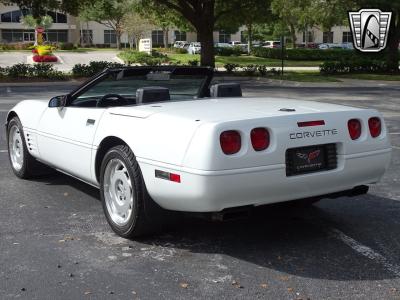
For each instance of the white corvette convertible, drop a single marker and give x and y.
(161, 138)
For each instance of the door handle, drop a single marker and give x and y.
(90, 122)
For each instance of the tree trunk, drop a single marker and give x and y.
(118, 34)
(206, 38)
(165, 37)
(249, 37)
(293, 33)
(393, 43)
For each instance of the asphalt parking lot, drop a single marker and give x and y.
(56, 244)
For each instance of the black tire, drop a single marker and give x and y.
(146, 217)
(30, 166)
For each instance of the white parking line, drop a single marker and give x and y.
(394, 133)
(3, 151)
(365, 251)
(395, 147)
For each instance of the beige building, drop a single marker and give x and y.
(337, 35)
(67, 28)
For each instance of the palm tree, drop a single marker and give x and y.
(30, 22)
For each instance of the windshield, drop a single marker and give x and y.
(123, 84)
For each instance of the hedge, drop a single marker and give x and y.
(135, 57)
(44, 71)
(314, 54)
(94, 67)
(353, 66)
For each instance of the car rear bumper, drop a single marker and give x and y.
(213, 191)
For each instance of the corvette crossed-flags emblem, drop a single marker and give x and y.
(370, 29)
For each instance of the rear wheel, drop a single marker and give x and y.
(129, 209)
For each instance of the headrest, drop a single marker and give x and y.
(226, 90)
(152, 94)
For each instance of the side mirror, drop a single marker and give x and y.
(58, 101)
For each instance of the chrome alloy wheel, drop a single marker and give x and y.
(118, 192)
(16, 148)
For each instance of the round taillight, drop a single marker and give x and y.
(230, 142)
(354, 126)
(375, 127)
(259, 139)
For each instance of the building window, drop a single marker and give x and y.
(57, 17)
(310, 37)
(17, 35)
(224, 37)
(86, 36)
(347, 37)
(110, 37)
(56, 36)
(327, 37)
(180, 35)
(157, 37)
(11, 17)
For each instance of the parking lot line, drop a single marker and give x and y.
(395, 147)
(365, 251)
(394, 133)
(3, 151)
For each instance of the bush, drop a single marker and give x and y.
(353, 66)
(230, 68)
(237, 51)
(135, 57)
(179, 50)
(16, 46)
(224, 51)
(44, 58)
(94, 67)
(193, 63)
(250, 70)
(262, 69)
(44, 71)
(66, 46)
(313, 54)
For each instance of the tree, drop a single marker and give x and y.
(136, 27)
(109, 13)
(30, 22)
(203, 15)
(39, 8)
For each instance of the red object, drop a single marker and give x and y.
(45, 58)
(354, 126)
(34, 51)
(230, 142)
(311, 123)
(259, 139)
(175, 177)
(375, 127)
(39, 29)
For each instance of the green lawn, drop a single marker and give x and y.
(245, 60)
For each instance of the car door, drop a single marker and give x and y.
(65, 138)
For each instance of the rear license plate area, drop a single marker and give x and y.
(311, 159)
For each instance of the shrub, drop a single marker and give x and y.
(353, 66)
(230, 68)
(18, 71)
(44, 58)
(193, 62)
(250, 70)
(66, 46)
(237, 51)
(179, 50)
(313, 54)
(38, 71)
(16, 46)
(142, 58)
(262, 69)
(224, 51)
(94, 67)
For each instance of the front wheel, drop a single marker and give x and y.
(123, 194)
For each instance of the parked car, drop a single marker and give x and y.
(236, 43)
(222, 45)
(272, 44)
(153, 139)
(180, 44)
(244, 47)
(194, 48)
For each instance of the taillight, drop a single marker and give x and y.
(230, 142)
(354, 126)
(375, 127)
(259, 139)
